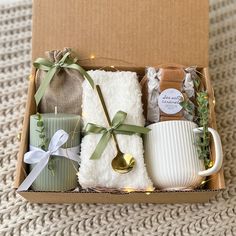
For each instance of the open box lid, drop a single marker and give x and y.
(125, 33)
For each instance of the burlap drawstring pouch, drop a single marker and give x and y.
(65, 88)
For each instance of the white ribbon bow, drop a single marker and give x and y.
(41, 157)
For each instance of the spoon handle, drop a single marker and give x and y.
(99, 92)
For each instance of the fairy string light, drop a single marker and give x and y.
(93, 57)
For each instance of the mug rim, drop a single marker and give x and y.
(171, 121)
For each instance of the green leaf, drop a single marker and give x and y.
(52, 165)
(40, 123)
(39, 116)
(196, 83)
(42, 136)
(43, 146)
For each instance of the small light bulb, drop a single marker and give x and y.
(92, 57)
(150, 189)
(210, 164)
(30, 77)
(214, 102)
(112, 66)
(83, 114)
(128, 190)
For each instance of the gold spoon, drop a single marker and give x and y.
(122, 163)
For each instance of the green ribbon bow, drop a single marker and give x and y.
(52, 68)
(117, 127)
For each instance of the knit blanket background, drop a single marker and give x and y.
(19, 217)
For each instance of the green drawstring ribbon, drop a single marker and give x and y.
(52, 68)
(117, 127)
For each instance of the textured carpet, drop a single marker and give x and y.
(18, 217)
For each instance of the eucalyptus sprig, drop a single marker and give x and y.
(203, 143)
(188, 106)
(41, 131)
(200, 111)
(44, 141)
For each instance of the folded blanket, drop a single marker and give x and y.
(121, 91)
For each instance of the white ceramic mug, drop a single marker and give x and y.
(171, 155)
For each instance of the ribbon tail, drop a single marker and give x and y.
(101, 146)
(131, 129)
(93, 128)
(89, 79)
(82, 72)
(42, 64)
(69, 153)
(33, 174)
(43, 86)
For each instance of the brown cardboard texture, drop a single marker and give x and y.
(130, 35)
(136, 32)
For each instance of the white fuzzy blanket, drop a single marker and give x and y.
(121, 91)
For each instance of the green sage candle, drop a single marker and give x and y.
(60, 172)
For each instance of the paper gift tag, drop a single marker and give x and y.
(169, 100)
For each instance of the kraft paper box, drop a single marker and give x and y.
(130, 35)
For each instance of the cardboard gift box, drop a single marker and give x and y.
(128, 35)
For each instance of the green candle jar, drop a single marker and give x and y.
(60, 172)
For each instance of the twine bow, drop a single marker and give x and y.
(116, 127)
(52, 68)
(41, 158)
